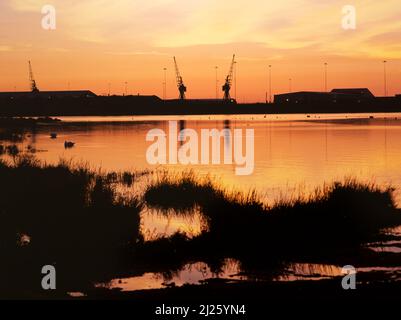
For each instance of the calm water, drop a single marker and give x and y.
(292, 153)
(200, 273)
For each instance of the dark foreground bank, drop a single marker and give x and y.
(76, 220)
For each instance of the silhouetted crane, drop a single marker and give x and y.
(32, 81)
(229, 79)
(180, 84)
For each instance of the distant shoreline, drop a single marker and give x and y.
(152, 105)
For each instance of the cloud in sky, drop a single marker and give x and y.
(5, 48)
(135, 39)
(287, 24)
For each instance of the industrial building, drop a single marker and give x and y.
(58, 103)
(352, 95)
(35, 93)
(47, 94)
(355, 92)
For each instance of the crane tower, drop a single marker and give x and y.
(229, 79)
(32, 81)
(180, 83)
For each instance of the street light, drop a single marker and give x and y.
(217, 83)
(325, 76)
(270, 83)
(235, 79)
(385, 77)
(165, 84)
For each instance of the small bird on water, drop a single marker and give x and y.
(68, 144)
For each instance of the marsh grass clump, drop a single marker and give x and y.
(340, 216)
(11, 150)
(181, 191)
(102, 195)
(73, 218)
(12, 135)
(128, 178)
(125, 178)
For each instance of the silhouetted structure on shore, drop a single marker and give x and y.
(337, 101)
(86, 103)
(357, 95)
(47, 94)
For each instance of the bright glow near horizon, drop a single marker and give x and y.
(100, 41)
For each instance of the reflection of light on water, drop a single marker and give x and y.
(76, 294)
(194, 273)
(156, 224)
(394, 231)
(391, 246)
(395, 270)
(386, 249)
(309, 271)
(242, 117)
(23, 240)
(334, 149)
(200, 273)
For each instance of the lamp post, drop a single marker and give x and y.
(270, 83)
(385, 77)
(165, 84)
(325, 77)
(217, 83)
(235, 79)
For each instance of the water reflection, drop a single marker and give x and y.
(200, 273)
(181, 131)
(193, 273)
(156, 223)
(293, 154)
(227, 137)
(287, 155)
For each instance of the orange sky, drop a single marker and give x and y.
(101, 41)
